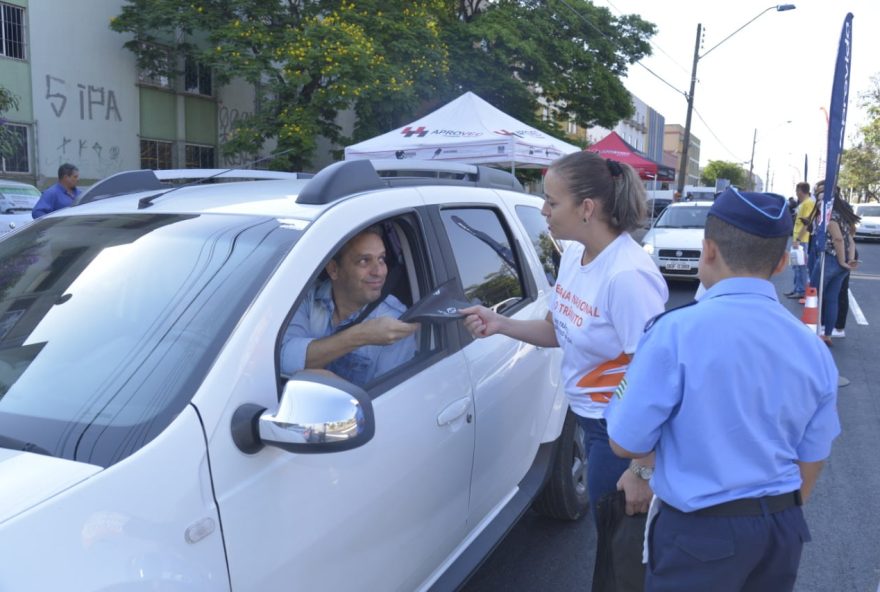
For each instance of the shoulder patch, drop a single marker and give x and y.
(650, 323)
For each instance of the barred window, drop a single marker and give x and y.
(18, 161)
(156, 155)
(199, 157)
(12, 41)
(197, 77)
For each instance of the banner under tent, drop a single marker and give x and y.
(466, 130)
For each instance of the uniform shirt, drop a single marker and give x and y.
(801, 232)
(314, 320)
(730, 392)
(54, 198)
(599, 312)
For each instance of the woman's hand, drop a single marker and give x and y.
(482, 322)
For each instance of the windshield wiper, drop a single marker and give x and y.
(16, 444)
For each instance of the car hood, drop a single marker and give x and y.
(678, 238)
(870, 220)
(33, 478)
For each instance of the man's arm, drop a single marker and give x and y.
(377, 331)
(43, 206)
(809, 475)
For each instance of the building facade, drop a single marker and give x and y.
(673, 143)
(83, 100)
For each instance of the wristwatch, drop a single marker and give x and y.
(640, 471)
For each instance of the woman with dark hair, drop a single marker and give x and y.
(607, 289)
(840, 258)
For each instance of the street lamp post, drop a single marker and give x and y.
(686, 140)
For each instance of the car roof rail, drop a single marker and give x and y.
(149, 180)
(348, 177)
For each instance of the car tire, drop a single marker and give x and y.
(565, 496)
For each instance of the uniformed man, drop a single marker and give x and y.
(740, 427)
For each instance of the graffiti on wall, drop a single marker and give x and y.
(228, 119)
(93, 102)
(72, 102)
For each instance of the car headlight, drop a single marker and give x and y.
(649, 248)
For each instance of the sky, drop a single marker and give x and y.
(773, 76)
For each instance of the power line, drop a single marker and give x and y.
(729, 151)
(612, 42)
(652, 42)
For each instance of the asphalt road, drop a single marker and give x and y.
(844, 555)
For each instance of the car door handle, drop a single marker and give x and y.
(454, 411)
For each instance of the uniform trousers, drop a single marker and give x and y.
(689, 552)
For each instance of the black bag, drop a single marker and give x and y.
(619, 566)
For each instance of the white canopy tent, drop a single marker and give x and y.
(467, 130)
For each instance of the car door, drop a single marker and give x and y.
(380, 517)
(514, 382)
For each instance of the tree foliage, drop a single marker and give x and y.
(860, 165)
(8, 141)
(391, 61)
(722, 169)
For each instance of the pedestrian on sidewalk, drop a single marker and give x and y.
(840, 260)
(62, 194)
(740, 432)
(800, 238)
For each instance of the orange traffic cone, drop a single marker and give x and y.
(811, 309)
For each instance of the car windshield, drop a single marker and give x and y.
(869, 211)
(684, 217)
(108, 324)
(16, 198)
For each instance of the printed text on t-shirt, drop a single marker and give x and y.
(571, 306)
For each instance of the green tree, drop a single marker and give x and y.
(722, 169)
(860, 165)
(572, 52)
(307, 60)
(392, 60)
(8, 141)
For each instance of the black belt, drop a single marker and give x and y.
(749, 506)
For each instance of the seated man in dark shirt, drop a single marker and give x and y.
(318, 336)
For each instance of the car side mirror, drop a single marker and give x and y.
(318, 412)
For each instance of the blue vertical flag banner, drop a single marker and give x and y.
(836, 125)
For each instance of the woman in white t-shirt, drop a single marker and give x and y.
(606, 291)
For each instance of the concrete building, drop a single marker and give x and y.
(673, 142)
(82, 99)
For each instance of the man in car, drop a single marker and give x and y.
(325, 333)
(60, 195)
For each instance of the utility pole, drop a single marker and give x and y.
(752, 161)
(767, 178)
(686, 141)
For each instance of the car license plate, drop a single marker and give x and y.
(678, 266)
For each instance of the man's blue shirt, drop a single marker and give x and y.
(54, 198)
(729, 392)
(314, 320)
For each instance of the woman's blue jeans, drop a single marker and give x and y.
(833, 280)
(604, 468)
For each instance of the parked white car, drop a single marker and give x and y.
(869, 226)
(16, 202)
(148, 440)
(675, 241)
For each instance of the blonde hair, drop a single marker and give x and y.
(614, 184)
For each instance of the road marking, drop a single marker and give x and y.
(856, 310)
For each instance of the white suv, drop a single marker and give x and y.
(149, 441)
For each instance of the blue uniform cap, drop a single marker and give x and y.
(760, 214)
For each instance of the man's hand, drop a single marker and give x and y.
(637, 491)
(384, 330)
